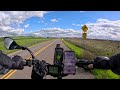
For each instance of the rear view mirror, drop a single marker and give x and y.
(10, 44)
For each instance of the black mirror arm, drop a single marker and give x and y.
(25, 48)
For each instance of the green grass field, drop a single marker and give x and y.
(99, 73)
(24, 41)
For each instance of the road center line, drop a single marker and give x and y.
(11, 72)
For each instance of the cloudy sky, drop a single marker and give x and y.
(101, 24)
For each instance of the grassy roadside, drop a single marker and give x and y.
(77, 50)
(24, 41)
(99, 74)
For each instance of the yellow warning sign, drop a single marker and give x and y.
(84, 28)
(84, 35)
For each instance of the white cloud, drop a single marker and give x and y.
(76, 24)
(56, 32)
(16, 17)
(54, 20)
(9, 31)
(104, 29)
(8, 17)
(40, 21)
(27, 25)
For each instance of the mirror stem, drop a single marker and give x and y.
(25, 48)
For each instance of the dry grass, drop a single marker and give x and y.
(82, 53)
(97, 47)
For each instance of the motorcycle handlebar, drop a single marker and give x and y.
(79, 63)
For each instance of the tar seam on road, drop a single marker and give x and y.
(11, 72)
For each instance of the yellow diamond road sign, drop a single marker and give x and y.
(84, 28)
(84, 35)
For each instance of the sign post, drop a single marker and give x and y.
(84, 34)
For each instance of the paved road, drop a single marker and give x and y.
(48, 55)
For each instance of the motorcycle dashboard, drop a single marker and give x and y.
(54, 70)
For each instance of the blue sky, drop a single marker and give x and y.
(67, 18)
(101, 24)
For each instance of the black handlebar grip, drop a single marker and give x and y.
(27, 63)
(81, 63)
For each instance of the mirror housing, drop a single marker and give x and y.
(10, 44)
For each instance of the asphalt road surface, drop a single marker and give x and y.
(45, 52)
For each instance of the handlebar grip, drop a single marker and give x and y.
(27, 63)
(81, 63)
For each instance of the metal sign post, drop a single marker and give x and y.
(84, 34)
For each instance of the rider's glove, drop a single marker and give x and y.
(115, 63)
(112, 63)
(101, 62)
(39, 68)
(17, 62)
(10, 63)
(42, 67)
(3, 70)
